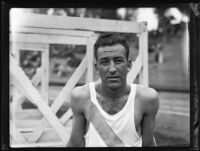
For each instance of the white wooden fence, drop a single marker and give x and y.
(36, 32)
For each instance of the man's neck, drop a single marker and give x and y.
(114, 93)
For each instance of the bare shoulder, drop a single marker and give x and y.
(149, 99)
(79, 96)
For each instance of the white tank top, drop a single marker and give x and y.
(122, 123)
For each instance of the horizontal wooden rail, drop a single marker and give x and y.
(14, 132)
(28, 46)
(48, 39)
(79, 23)
(44, 144)
(50, 31)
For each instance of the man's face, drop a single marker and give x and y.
(112, 65)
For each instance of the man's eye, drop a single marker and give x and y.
(103, 62)
(119, 61)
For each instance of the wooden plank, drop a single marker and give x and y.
(16, 134)
(60, 22)
(31, 129)
(35, 115)
(90, 58)
(60, 98)
(51, 31)
(48, 39)
(28, 46)
(45, 75)
(15, 105)
(45, 144)
(143, 51)
(15, 51)
(37, 77)
(29, 123)
(136, 68)
(49, 135)
(27, 88)
(66, 116)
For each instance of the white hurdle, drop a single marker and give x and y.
(34, 32)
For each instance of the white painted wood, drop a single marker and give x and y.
(79, 23)
(90, 58)
(29, 46)
(46, 31)
(25, 85)
(49, 135)
(15, 106)
(15, 51)
(36, 79)
(45, 75)
(30, 129)
(66, 116)
(29, 123)
(65, 92)
(143, 51)
(136, 68)
(44, 144)
(16, 135)
(47, 39)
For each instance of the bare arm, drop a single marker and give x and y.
(78, 125)
(151, 105)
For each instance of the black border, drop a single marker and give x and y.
(194, 61)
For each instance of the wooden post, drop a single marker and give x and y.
(90, 58)
(45, 75)
(143, 51)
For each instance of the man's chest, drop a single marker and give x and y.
(112, 106)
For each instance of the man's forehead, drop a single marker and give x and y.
(109, 51)
(112, 48)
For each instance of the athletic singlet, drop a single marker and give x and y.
(122, 123)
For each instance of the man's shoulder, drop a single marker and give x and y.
(148, 97)
(79, 96)
(80, 92)
(146, 93)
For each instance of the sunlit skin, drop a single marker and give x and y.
(113, 66)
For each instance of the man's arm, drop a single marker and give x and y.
(150, 106)
(79, 122)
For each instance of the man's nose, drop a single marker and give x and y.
(112, 67)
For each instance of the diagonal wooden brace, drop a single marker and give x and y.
(30, 92)
(60, 99)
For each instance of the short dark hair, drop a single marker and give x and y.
(110, 39)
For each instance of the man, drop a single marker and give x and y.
(110, 112)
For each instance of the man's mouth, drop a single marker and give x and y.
(113, 77)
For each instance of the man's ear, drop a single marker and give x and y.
(96, 67)
(129, 65)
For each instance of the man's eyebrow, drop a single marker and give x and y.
(103, 58)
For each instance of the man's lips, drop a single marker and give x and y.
(113, 77)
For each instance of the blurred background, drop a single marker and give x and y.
(168, 62)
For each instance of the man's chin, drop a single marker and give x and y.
(113, 86)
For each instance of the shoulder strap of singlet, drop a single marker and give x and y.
(105, 131)
(92, 91)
